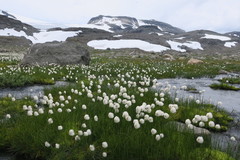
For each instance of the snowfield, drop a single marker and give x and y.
(104, 27)
(117, 35)
(130, 43)
(115, 21)
(141, 23)
(230, 44)
(159, 34)
(180, 38)
(190, 44)
(222, 38)
(40, 37)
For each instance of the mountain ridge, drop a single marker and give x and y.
(121, 23)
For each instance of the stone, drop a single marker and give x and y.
(168, 57)
(61, 53)
(223, 72)
(194, 61)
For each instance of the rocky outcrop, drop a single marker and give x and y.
(14, 44)
(168, 57)
(194, 61)
(62, 53)
(164, 26)
(10, 23)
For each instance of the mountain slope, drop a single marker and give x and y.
(123, 23)
(7, 22)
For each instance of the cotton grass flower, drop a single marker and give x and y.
(8, 116)
(104, 154)
(161, 135)
(80, 132)
(201, 124)
(232, 138)
(84, 125)
(47, 144)
(187, 121)
(198, 101)
(77, 138)
(59, 110)
(110, 115)
(211, 124)
(40, 111)
(29, 113)
(217, 126)
(153, 131)
(86, 117)
(209, 115)
(84, 106)
(157, 137)
(57, 146)
(71, 132)
(200, 139)
(50, 120)
(60, 128)
(92, 148)
(116, 119)
(95, 118)
(61, 98)
(36, 114)
(173, 110)
(104, 144)
(166, 115)
(50, 111)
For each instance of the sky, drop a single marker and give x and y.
(217, 15)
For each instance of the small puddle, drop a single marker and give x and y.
(230, 99)
(21, 92)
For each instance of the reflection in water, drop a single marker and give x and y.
(29, 91)
(230, 101)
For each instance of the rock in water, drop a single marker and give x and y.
(62, 53)
(194, 61)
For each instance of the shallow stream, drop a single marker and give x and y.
(229, 100)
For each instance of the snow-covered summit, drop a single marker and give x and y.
(122, 23)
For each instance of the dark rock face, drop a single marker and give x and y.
(164, 26)
(62, 53)
(11, 43)
(6, 22)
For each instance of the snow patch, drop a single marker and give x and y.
(104, 27)
(40, 37)
(159, 34)
(141, 23)
(180, 38)
(230, 44)
(236, 35)
(211, 36)
(117, 35)
(190, 44)
(126, 43)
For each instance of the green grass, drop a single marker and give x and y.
(26, 135)
(224, 86)
(232, 80)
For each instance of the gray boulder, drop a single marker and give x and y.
(62, 53)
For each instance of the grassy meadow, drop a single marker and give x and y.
(112, 109)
